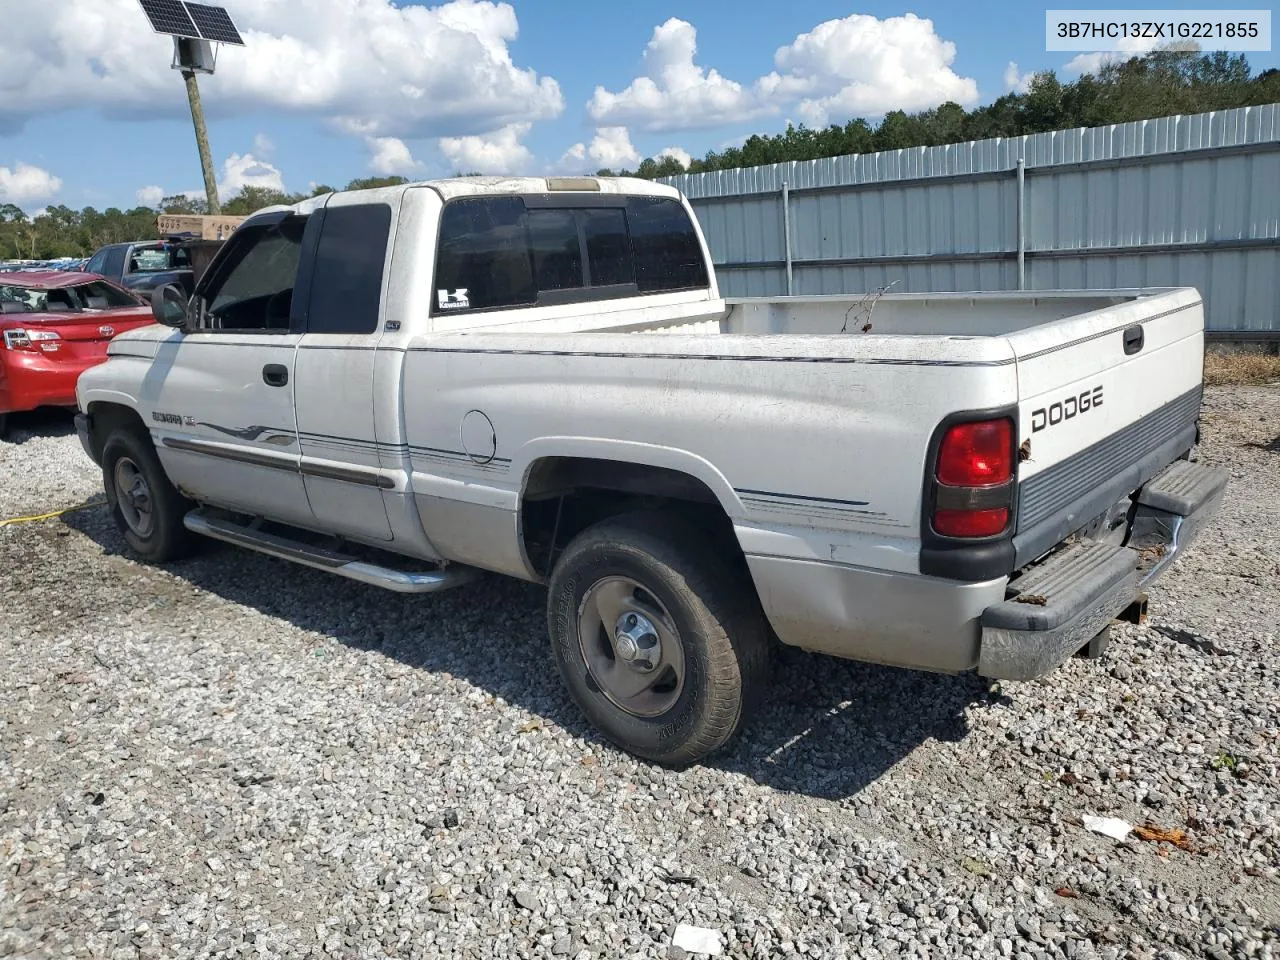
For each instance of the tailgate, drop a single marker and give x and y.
(1107, 399)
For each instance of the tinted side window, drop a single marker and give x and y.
(253, 287)
(484, 255)
(114, 263)
(665, 246)
(97, 263)
(347, 288)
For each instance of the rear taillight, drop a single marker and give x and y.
(976, 454)
(20, 339)
(974, 473)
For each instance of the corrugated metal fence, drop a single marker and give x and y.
(1189, 200)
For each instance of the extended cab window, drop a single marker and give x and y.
(346, 289)
(496, 253)
(666, 250)
(253, 287)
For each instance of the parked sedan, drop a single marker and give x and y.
(55, 325)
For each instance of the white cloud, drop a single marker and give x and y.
(391, 156)
(246, 170)
(23, 183)
(612, 147)
(575, 158)
(856, 66)
(1093, 62)
(674, 93)
(368, 66)
(263, 145)
(496, 152)
(679, 153)
(150, 196)
(864, 66)
(1015, 82)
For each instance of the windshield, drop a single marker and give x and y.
(94, 295)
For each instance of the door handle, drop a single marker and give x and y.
(1133, 339)
(275, 374)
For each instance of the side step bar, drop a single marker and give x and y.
(401, 581)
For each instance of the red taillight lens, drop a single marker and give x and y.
(976, 454)
(971, 523)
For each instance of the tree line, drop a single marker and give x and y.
(1158, 84)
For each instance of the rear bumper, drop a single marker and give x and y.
(1002, 630)
(40, 380)
(1062, 604)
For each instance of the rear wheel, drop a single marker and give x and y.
(658, 637)
(4, 425)
(145, 506)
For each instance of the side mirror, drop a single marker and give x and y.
(169, 305)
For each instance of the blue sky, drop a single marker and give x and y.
(327, 90)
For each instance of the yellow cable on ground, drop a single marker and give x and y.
(55, 513)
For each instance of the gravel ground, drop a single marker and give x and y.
(234, 757)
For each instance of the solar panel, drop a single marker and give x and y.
(214, 23)
(169, 16)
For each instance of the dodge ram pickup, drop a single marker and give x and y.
(539, 378)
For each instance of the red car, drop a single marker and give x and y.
(55, 325)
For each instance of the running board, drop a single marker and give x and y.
(273, 545)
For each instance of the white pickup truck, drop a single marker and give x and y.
(539, 378)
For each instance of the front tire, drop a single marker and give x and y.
(145, 506)
(659, 638)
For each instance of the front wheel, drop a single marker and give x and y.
(145, 506)
(658, 637)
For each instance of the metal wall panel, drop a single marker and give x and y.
(947, 217)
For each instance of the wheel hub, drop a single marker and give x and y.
(631, 646)
(133, 496)
(636, 641)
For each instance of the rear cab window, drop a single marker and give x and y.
(94, 295)
(499, 253)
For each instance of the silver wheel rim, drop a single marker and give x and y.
(631, 647)
(133, 497)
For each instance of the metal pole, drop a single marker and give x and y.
(202, 142)
(1022, 224)
(786, 230)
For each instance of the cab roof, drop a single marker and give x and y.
(454, 187)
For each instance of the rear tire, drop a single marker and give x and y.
(642, 600)
(4, 425)
(145, 506)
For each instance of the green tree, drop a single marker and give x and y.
(369, 183)
(250, 199)
(181, 204)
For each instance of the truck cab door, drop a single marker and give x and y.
(341, 458)
(220, 395)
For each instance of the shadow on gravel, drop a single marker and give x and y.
(41, 422)
(1271, 446)
(827, 729)
(1193, 640)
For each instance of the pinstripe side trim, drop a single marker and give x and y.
(618, 355)
(1106, 333)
